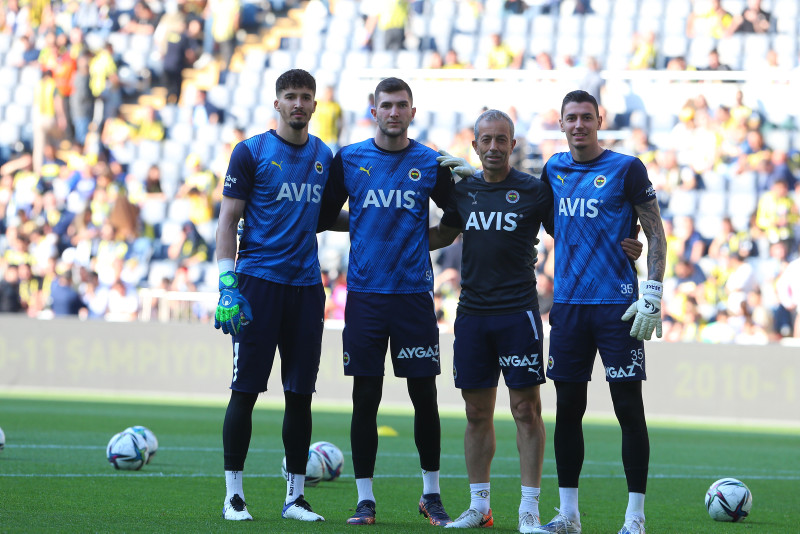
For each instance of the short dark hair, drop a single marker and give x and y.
(392, 85)
(295, 79)
(578, 97)
(494, 115)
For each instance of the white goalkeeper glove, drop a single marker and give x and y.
(647, 311)
(458, 166)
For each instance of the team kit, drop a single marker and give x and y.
(287, 186)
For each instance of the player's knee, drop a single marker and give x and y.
(479, 413)
(526, 411)
(422, 392)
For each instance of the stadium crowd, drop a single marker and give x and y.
(88, 218)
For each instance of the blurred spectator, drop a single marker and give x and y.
(592, 82)
(788, 290)
(23, 52)
(112, 98)
(143, 20)
(501, 56)
(82, 101)
(224, 17)
(644, 51)
(147, 125)
(64, 298)
(752, 20)
(123, 305)
(719, 330)
(189, 249)
(714, 63)
(452, 61)
(777, 213)
(44, 116)
(326, 122)
(10, 300)
(713, 21)
(101, 67)
(202, 112)
(178, 54)
(390, 17)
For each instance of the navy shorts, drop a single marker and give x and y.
(485, 345)
(289, 318)
(371, 320)
(578, 331)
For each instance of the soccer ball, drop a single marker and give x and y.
(2, 440)
(149, 437)
(314, 469)
(728, 499)
(332, 458)
(127, 450)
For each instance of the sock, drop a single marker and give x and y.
(479, 497)
(635, 506)
(364, 486)
(233, 484)
(529, 501)
(569, 504)
(294, 487)
(430, 482)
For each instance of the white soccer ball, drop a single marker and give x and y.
(2, 440)
(314, 469)
(332, 459)
(149, 437)
(127, 450)
(728, 499)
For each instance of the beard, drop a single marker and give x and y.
(388, 133)
(296, 124)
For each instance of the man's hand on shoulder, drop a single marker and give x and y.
(458, 166)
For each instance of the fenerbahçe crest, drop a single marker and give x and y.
(318, 167)
(414, 174)
(512, 197)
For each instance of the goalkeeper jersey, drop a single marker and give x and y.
(593, 212)
(283, 185)
(389, 194)
(499, 222)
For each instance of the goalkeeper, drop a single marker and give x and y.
(597, 306)
(272, 296)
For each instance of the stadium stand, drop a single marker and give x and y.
(731, 129)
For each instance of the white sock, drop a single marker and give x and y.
(430, 482)
(364, 486)
(233, 484)
(569, 504)
(294, 487)
(635, 506)
(479, 497)
(529, 501)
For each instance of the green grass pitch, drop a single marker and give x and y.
(54, 476)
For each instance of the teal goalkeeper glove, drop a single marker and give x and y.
(458, 166)
(647, 311)
(233, 310)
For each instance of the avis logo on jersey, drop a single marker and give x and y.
(493, 220)
(303, 192)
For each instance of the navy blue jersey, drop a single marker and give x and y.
(389, 194)
(499, 221)
(283, 184)
(593, 212)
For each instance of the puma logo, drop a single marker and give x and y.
(277, 164)
(560, 178)
(366, 170)
(474, 196)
